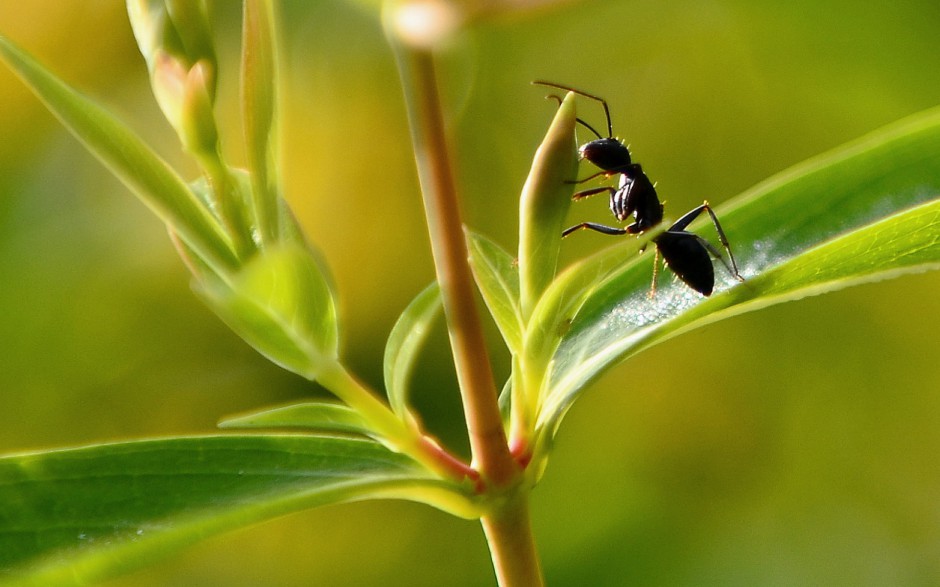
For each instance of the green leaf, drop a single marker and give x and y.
(129, 158)
(866, 211)
(562, 300)
(404, 342)
(281, 303)
(497, 276)
(259, 109)
(73, 517)
(317, 416)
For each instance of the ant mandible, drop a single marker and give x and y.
(685, 253)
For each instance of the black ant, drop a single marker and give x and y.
(686, 253)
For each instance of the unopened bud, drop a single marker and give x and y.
(198, 130)
(544, 204)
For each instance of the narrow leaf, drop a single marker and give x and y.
(316, 416)
(126, 155)
(497, 277)
(404, 342)
(78, 516)
(863, 212)
(259, 110)
(564, 298)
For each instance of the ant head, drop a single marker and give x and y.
(608, 154)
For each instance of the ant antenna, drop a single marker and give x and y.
(610, 128)
(584, 124)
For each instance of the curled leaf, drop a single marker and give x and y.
(497, 277)
(405, 341)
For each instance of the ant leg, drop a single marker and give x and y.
(590, 177)
(732, 270)
(630, 170)
(724, 242)
(652, 293)
(609, 230)
(683, 222)
(588, 193)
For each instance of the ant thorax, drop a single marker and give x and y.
(619, 204)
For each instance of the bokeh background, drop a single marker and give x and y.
(795, 446)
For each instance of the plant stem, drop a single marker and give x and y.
(474, 374)
(506, 525)
(403, 438)
(509, 534)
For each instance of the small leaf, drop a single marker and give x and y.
(404, 342)
(281, 303)
(497, 276)
(317, 416)
(864, 212)
(129, 159)
(78, 516)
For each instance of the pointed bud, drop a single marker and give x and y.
(177, 30)
(544, 204)
(168, 79)
(198, 130)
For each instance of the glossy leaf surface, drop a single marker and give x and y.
(318, 416)
(864, 212)
(76, 516)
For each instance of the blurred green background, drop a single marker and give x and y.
(796, 446)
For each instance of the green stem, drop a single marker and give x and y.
(259, 111)
(393, 430)
(509, 533)
(506, 525)
(222, 190)
(474, 374)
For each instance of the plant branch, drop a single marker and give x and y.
(402, 437)
(478, 391)
(506, 524)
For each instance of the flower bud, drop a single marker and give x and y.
(546, 197)
(198, 130)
